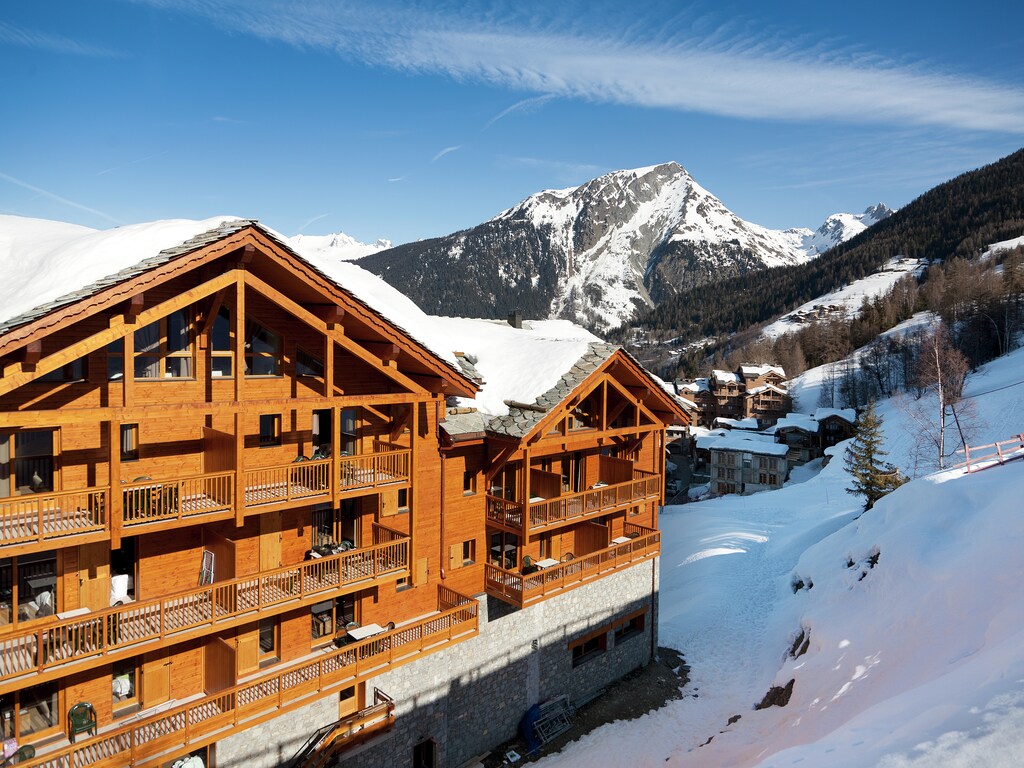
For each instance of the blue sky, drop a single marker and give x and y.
(409, 120)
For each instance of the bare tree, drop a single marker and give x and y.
(941, 367)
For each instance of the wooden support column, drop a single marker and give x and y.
(525, 485)
(411, 500)
(239, 469)
(239, 318)
(328, 366)
(116, 503)
(128, 365)
(335, 455)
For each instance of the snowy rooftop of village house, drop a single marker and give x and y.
(753, 371)
(750, 442)
(695, 386)
(750, 422)
(725, 377)
(847, 414)
(795, 420)
(764, 387)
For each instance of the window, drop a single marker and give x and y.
(129, 442)
(115, 360)
(350, 432)
(424, 754)
(76, 370)
(269, 636)
(163, 349)
(403, 499)
(262, 351)
(30, 712)
(588, 648)
(221, 356)
(468, 483)
(307, 365)
(631, 627)
(348, 701)
(323, 620)
(28, 587)
(26, 462)
(270, 429)
(124, 685)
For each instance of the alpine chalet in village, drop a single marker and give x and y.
(257, 509)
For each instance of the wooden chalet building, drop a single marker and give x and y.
(254, 508)
(751, 391)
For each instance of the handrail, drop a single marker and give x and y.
(382, 534)
(594, 501)
(1017, 441)
(151, 737)
(521, 590)
(98, 632)
(505, 512)
(324, 741)
(39, 517)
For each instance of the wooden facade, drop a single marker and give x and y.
(215, 466)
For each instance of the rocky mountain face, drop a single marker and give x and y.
(596, 253)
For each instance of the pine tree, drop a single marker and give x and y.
(872, 478)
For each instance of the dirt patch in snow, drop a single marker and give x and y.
(638, 693)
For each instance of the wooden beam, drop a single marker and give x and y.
(240, 470)
(116, 505)
(315, 322)
(210, 316)
(134, 306)
(385, 350)
(400, 424)
(31, 354)
(498, 460)
(246, 255)
(239, 323)
(117, 329)
(67, 416)
(128, 369)
(331, 314)
(430, 383)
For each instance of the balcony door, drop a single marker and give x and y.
(28, 462)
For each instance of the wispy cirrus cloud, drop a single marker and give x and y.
(445, 151)
(524, 106)
(724, 69)
(57, 198)
(11, 34)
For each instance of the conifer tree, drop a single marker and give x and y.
(872, 478)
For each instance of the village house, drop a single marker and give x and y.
(256, 507)
(746, 463)
(752, 391)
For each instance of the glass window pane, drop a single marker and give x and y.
(147, 367)
(177, 331)
(221, 366)
(38, 710)
(222, 331)
(147, 339)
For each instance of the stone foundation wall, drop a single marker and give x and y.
(470, 697)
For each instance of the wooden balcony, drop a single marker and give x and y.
(39, 521)
(519, 590)
(53, 648)
(569, 508)
(153, 739)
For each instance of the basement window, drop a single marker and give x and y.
(588, 648)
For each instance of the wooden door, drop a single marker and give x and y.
(270, 541)
(247, 651)
(94, 576)
(220, 665)
(156, 678)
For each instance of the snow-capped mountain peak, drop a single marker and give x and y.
(337, 246)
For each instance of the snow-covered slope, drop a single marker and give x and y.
(337, 246)
(846, 301)
(913, 613)
(597, 252)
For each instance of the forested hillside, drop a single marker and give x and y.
(956, 218)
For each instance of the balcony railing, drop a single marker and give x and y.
(39, 518)
(328, 741)
(595, 502)
(98, 633)
(149, 739)
(387, 465)
(519, 590)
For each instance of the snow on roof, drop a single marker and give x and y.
(70, 262)
(795, 421)
(847, 414)
(749, 443)
(748, 423)
(517, 364)
(695, 386)
(763, 387)
(725, 377)
(46, 264)
(753, 371)
(708, 437)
